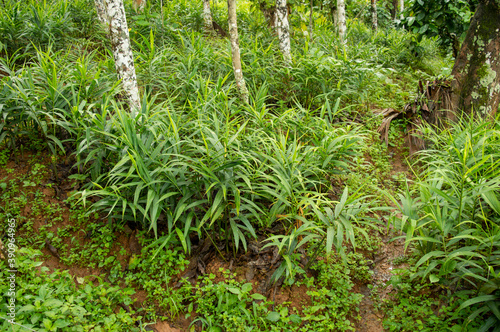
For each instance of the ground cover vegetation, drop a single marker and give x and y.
(202, 212)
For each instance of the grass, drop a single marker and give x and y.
(298, 170)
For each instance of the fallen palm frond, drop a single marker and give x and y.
(432, 105)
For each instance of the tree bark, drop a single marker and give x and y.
(341, 20)
(122, 52)
(207, 16)
(335, 18)
(401, 5)
(235, 50)
(394, 8)
(283, 30)
(476, 84)
(101, 11)
(374, 15)
(311, 22)
(269, 12)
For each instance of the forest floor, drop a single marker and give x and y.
(255, 266)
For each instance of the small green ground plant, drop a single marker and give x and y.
(231, 305)
(54, 302)
(198, 164)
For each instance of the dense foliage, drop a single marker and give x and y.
(448, 20)
(300, 169)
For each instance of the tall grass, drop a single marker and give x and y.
(30, 25)
(209, 169)
(196, 162)
(452, 218)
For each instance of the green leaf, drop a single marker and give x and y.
(494, 307)
(28, 307)
(234, 290)
(182, 239)
(273, 316)
(133, 262)
(330, 235)
(257, 296)
(491, 198)
(420, 16)
(423, 29)
(47, 323)
(433, 278)
(53, 303)
(35, 318)
(78, 177)
(448, 267)
(61, 323)
(437, 253)
(246, 287)
(478, 299)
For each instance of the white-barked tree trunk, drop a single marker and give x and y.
(341, 20)
(374, 15)
(235, 50)
(311, 27)
(207, 16)
(122, 52)
(335, 15)
(283, 30)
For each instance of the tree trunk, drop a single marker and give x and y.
(335, 18)
(374, 15)
(207, 16)
(269, 13)
(401, 8)
(341, 20)
(394, 9)
(101, 11)
(283, 30)
(122, 52)
(235, 50)
(311, 22)
(476, 84)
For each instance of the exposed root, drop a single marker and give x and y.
(432, 105)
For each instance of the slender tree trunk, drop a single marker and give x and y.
(207, 16)
(283, 30)
(122, 52)
(101, 11)
(235, 50)
(269, 13)
(335, 18)
(341, 20)
(476, 84)
(161, 12)
(374, 15)
(311, 22)
(401, 9)
(394, 8)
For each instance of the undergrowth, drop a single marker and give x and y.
(196, 164)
